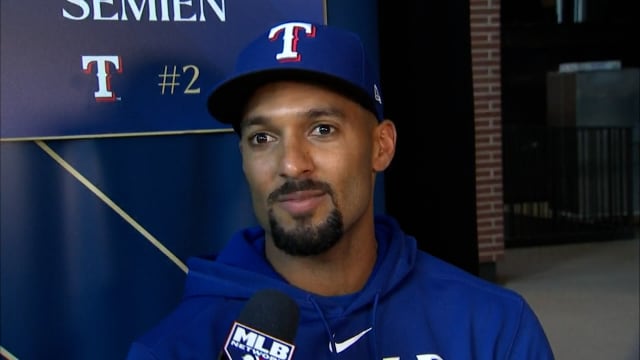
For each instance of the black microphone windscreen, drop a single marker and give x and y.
(271, 312)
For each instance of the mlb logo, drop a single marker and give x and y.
(246, 343)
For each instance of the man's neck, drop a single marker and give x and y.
(343, 269)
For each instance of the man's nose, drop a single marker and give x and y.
(296, 158)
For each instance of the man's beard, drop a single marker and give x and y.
(306, 239)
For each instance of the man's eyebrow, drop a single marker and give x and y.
(324, 111)
(252, 120)
(312, 113)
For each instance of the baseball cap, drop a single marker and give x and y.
(301, 51)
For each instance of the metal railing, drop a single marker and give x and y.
(567, 184)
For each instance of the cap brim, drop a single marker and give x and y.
(227, 101)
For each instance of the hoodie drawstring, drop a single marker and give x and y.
(374, 313)
(332, 344)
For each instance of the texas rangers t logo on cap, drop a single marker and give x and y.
(290, 36)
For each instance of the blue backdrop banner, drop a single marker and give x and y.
(96, 218)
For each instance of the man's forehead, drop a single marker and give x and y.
(308, 98)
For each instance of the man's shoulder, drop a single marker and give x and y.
(447, 276)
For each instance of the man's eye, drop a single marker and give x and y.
(323, 129)
(261, 138)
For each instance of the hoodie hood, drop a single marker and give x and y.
(241, 269)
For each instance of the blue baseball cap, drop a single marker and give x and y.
(299, 51)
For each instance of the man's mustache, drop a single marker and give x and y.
(302, 185)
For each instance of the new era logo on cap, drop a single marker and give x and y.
(301, 51)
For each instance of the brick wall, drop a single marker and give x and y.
(485, 57)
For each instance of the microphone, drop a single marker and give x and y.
(265, 328)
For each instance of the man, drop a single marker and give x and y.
(307, 107)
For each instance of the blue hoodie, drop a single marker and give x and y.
(414, 307)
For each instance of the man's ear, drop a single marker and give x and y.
(384, 145)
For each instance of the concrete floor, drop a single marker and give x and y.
(586, 295)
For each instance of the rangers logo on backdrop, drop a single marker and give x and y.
(101, 66)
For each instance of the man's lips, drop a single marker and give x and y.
(301, 202)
